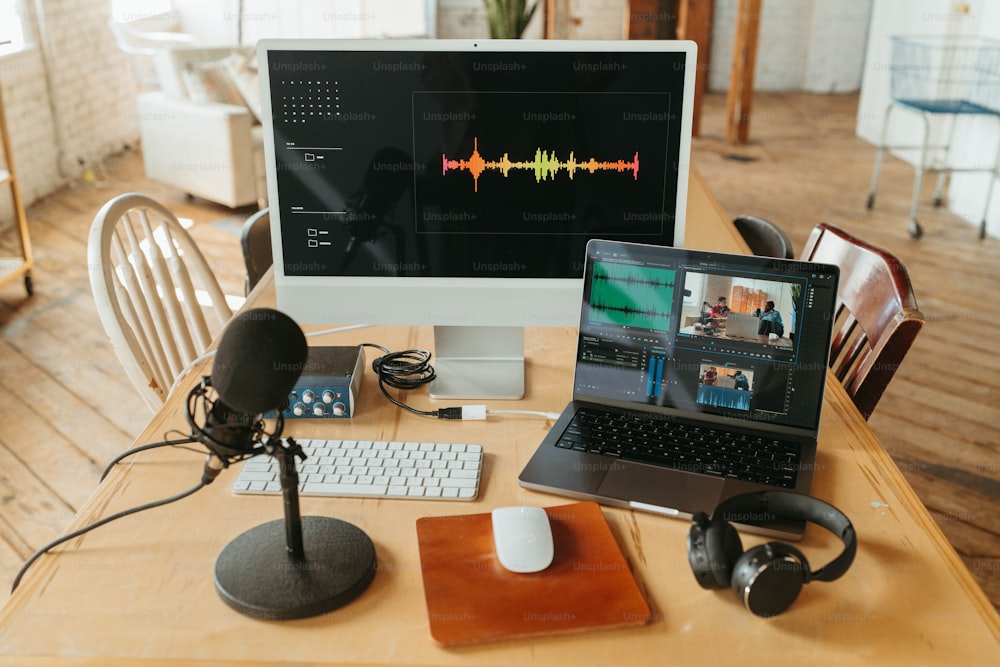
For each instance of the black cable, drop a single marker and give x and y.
(142, 448)
(411, 369)
(97, 524)
(406, 370)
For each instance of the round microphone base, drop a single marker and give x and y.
(255, 575)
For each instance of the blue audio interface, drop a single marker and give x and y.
(329, 384)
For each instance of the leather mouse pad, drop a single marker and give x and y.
(471, 598)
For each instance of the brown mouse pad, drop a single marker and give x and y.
(471, 598)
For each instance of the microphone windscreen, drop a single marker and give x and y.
(259, 359)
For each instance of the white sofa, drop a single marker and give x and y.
(201, 131)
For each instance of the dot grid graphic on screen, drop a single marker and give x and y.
(456, 183)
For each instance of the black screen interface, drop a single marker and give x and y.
(459, 164)
(734, 336)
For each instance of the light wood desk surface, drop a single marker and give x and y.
(141, 589)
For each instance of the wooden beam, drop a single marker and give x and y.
(740, 99)
(694, 22)
(557, 19)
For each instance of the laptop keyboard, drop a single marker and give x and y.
(701, 449)
(373, 469)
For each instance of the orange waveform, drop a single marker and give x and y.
(545, 165)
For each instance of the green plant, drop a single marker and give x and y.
(508, 18)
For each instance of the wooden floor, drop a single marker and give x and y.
(66, 407)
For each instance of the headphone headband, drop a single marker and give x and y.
(769, 505)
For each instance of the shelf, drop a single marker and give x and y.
(13, 267)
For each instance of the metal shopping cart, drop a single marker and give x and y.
(948, 77)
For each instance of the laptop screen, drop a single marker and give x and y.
(709, 333)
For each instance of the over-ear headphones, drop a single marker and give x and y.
(767, 578)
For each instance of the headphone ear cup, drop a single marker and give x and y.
(768, 578)
(713, 548)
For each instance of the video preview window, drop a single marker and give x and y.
(725, 386)
(740, 308)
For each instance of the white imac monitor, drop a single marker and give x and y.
(455, 183)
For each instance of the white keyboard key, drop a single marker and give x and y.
(366, 468)
(452, 483)
(344, 490)
(258, 476)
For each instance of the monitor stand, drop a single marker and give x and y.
(478, 362)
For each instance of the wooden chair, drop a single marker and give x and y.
(764, 237)
(255, 239)
(877, 317)
(156, 295)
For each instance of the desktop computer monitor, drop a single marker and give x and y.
(455, 183)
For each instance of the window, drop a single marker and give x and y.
(11, 35)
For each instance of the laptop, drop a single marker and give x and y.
(734, 416)
(741, 325)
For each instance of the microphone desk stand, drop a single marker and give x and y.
(296, 567)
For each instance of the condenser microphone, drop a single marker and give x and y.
(298, 566)
(259, 359)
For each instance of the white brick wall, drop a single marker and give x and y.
(90, 82)
(83, 111)
(29, 122)
(811, 45)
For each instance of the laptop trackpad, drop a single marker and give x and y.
(662, 487)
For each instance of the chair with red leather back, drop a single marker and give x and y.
(877, 317)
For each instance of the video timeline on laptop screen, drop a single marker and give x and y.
(458, 164)
(734, 336)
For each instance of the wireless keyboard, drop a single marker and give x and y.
(373, 469)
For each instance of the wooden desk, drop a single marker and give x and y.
(141, 589)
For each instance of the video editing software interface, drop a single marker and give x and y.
(648, 333)
(460, 164)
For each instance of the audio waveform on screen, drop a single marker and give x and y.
(636, 296)
(633, 277)
(723, 397)
(545, 165)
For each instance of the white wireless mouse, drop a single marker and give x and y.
(523, 538)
